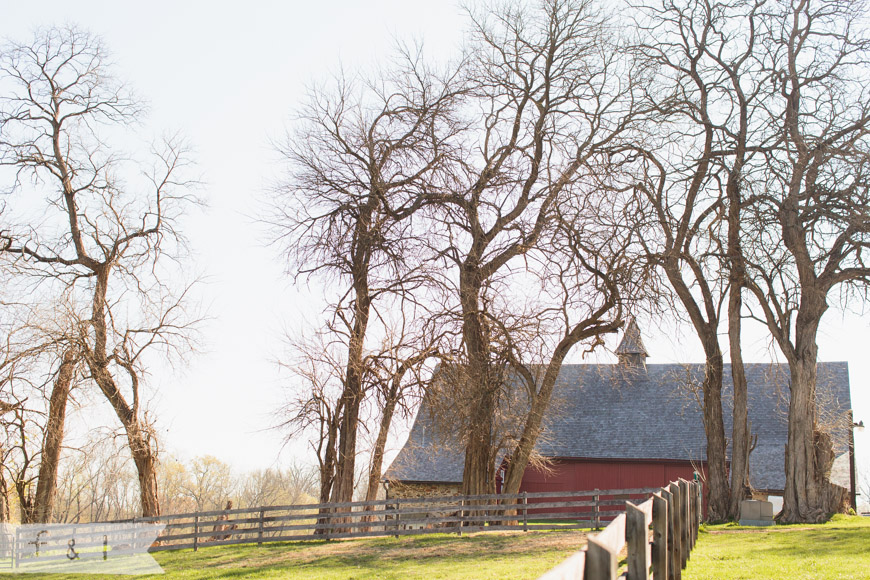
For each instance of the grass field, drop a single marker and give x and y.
(479, 556)
(839, 549)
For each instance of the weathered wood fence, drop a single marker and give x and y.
(395, 517)
(657, 536)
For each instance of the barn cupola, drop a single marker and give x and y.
(631, 351)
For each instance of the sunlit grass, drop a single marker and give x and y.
(839, 549)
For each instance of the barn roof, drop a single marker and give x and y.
(605, 412)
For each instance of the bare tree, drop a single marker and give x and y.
(359, 159)
(548, 91)
(210, 483)
(811, 213)
(315, 407)
(97, 482)
(398, 373)
(695, 166)
(293, 485)
(770, 121)
(172, 480)
(590, 276)
(104, 234)
(46, 486)
(39, 370)
(19, 457)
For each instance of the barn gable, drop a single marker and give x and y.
(603, 413)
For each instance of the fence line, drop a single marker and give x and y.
(394, 517)
(658, 535)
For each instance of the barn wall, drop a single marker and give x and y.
(588, 475)
(408, 490)
(573, 475)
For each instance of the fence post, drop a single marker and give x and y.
(660, 538)
(698, 507)
(636, 538)
(525, 512)
(461, 515)
(693, 501)
(260, 530)
(676, 532)
(688, 489)
(195, 533)
(601, 563)
(686, 520)
(595, 509)
(397, 519)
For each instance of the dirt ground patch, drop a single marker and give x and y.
(419, 547)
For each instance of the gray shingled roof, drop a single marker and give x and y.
(606, 412)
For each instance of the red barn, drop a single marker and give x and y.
(633, 425)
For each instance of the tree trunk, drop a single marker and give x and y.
(519, 459)
(140, 448)
(146, 468)
(591, 327)
(478, 477)
(25, 502)
(144, 457)
(801, 501)
(342, 490)
(711, 405)
(342, 487)
(809, 495)
(521, 454)
(392, 400)
(327, 465)
(5, 514)
(714, 427)
(740, 436)
(46, 488)
(327, 478)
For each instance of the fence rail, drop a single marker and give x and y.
(658, 536)
(394, 517)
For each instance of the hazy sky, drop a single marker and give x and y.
(227, 76)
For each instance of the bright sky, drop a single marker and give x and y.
(227, 76)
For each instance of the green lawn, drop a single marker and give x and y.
(837, 549)
(478, 556)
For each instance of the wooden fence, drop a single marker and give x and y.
(657, 535)
(395, 517)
